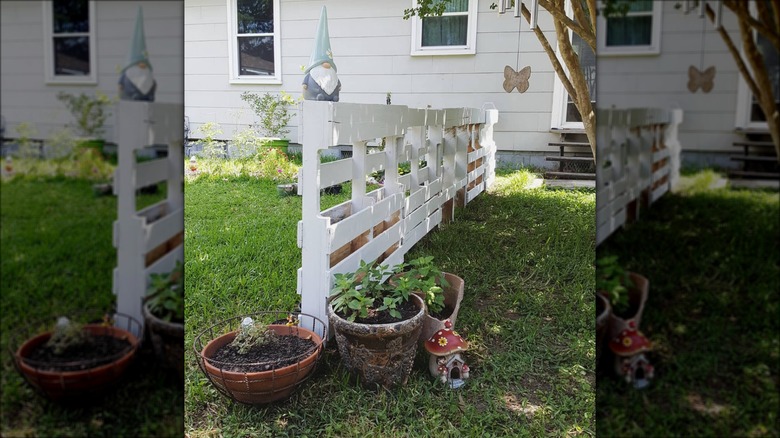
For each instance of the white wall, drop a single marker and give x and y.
(27, 98)
(371, 44)
(661, 80)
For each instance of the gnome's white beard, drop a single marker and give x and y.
(140, 77)
(326, 78)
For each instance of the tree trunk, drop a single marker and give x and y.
(574, 83)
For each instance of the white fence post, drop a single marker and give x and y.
(150, 240)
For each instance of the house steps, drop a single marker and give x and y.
(758, 160)
(576, 167)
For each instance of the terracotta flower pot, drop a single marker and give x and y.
(603, 311)
(453, 295)
(379, 354)
(262, 386)
(167, 340)
(61, 385)
(637, 296)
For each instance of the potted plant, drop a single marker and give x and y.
(75, 360)
(163, 312)
(441, 291)
(377, 326)
(627, 293)
(274, 115)
(90, 114)
(260, 362)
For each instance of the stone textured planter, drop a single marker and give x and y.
(453, 295)
(263, 386)
(167, 340)
(379, 354)
(65, 385)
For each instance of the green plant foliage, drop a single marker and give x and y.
(252, 334)
(27, 148)
(89, 112)
(166, 294)
(272, 111)
(613, 281)
(356, 293)
(66, 334)
(212, 148)
(422, 275)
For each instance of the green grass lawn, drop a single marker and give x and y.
(57, 258)
(526, 257)
(713, 261)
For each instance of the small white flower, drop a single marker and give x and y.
(63, 322)
(247, 322)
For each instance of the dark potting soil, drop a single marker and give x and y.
(286, 350)
(443, 314)
(407, 309)
(100, 350)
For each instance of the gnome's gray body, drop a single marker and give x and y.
(128, 91)
(312, 90)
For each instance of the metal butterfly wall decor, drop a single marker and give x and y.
(703, 79)
(516, 79)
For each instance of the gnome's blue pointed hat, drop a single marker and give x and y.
(138, 51)
(322, 52)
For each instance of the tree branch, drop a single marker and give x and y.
(742, 12)
(583, 19)
(734, 53)
(560, 15)
(592, 11)
(550, 53)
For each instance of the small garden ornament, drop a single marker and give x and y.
(321, 81)
(136, 81)
(446, 362)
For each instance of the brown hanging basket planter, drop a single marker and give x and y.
(167, 340)
(83, 378)
(259, 387)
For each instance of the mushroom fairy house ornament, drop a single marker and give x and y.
(446, 362)
(629, 347)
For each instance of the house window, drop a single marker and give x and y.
(69, 41)
(772, 61)
(453, 33)
(255, 53)
(638, 32)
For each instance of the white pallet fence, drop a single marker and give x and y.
(148, 240)
(637, 162)
(457, 148)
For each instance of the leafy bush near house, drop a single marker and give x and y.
(90, 113)
(272, 111)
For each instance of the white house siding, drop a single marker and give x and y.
(26, 97)
(371, 45)
(709, 119)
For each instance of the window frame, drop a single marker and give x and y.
(470, 48)
(232, 30)
(48, 48)
(654, 48)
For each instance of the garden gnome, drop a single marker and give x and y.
(321, 81)
(446, 363)
(136, 81)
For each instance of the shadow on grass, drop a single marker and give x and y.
(527, 259)
(713, 261)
